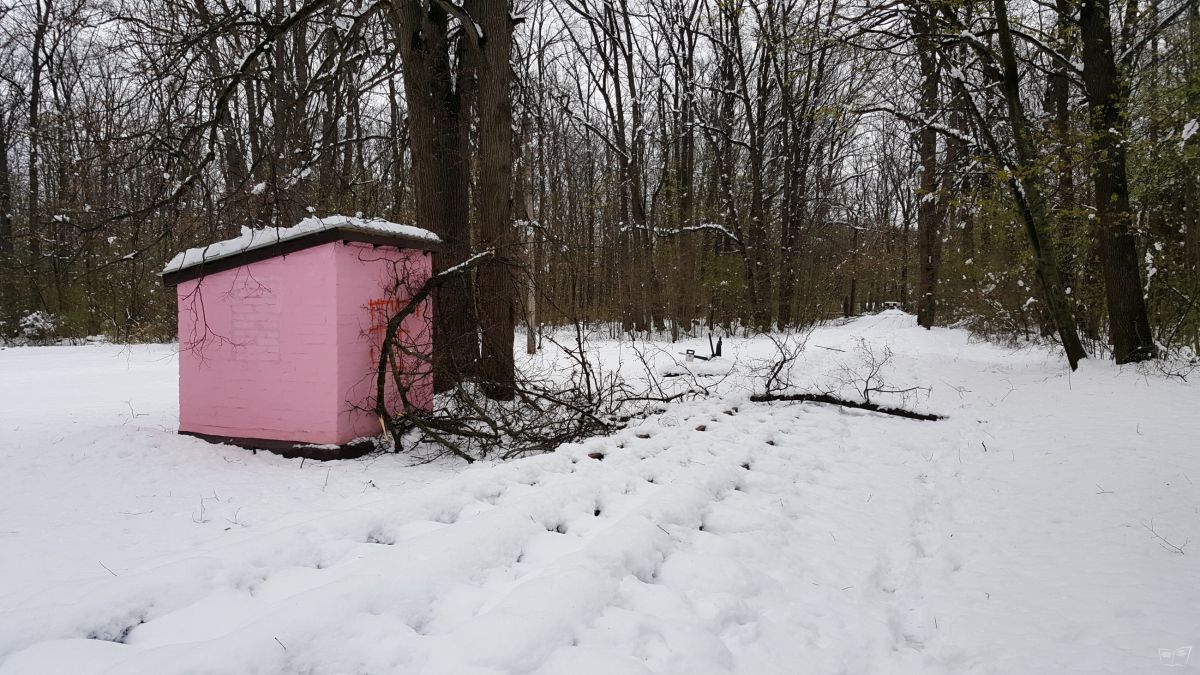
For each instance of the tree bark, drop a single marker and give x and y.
(44, 9)
(929, 197)
(438, 131)
(1028, 195)
(1107, 91)
(8, 286)
(1192, 196)
(496, 279)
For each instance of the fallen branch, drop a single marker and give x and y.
(858, 405)
(393, 325)
(1166, 544)
(556, 402)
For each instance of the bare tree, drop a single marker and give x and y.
(1106, 85)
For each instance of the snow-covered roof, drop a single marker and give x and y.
(252, 239)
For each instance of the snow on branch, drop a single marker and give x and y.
(464, 265)
(919, 121)
(470, 26)
(667, 232)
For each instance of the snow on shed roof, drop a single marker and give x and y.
(253, 240)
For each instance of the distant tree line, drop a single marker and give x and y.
(1023, 168)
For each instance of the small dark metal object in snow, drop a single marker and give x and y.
(714, 351)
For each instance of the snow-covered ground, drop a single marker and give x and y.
(719, 536)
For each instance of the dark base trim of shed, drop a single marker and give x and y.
(292, 449)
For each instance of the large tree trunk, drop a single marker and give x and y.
(496, 279)
(929, 198)
(799, 106)
(284, 212)
(1028, 195)
(33, 190)
(440, 178)
(1058, 105)
(8, 273)
(651, 310)
(1192, 195)
(1107, 93)
(756, 228)
(331, 112)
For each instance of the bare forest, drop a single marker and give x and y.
(1027, 169)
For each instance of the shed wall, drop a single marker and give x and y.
(368, 293)
(258, 350)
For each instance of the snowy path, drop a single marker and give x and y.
(720, 537)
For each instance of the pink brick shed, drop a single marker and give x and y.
(279, 332)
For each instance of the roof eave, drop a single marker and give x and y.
(283, 248)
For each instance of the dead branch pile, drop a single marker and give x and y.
(557, 400)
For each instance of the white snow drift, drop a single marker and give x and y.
(1020, 535)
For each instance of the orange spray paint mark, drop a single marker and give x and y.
(382, 310)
